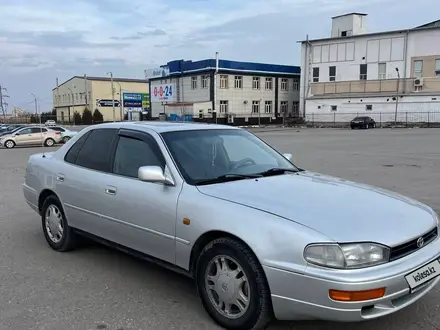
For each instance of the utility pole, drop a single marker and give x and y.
(397, 97)
(36, 105)
(2, 102)
(113, 95)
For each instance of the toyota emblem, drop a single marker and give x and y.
(420, 242)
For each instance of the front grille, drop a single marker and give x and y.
(407, 248)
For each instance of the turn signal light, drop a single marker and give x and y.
(356, 295)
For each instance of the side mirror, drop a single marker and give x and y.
(288, 156)
(154, 174)
(15, 134)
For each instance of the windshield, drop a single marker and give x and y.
(203, 155)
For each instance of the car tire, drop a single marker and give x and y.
(53, 217)
(9, 144)
(66, 138)
(352, 127)
(49, 142)
(237, 262)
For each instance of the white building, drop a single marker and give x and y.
(358, 73)
(234, 92)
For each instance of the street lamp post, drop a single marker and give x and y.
(397, 96)
(120, 100)
(113, 95)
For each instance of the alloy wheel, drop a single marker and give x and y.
(227, 287)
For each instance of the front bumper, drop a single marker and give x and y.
(306, 296)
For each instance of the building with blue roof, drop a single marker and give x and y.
(243, 93)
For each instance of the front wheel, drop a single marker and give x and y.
(9, 144)
(66, 138)
(233, 286)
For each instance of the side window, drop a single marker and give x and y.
(97, 150)
(74, 150)
(132, 153)
(25, 131)
(37, 130)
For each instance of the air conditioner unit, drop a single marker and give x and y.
(418, 82)
(230, 119)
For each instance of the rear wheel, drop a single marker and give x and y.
(233, 286)
(9, 144)
(57, 232)
(49, 142)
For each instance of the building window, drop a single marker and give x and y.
(368, 107)
(295, 107)
(334, 108)
(284, 84)
(205, 81)
(269, 84)
(332, 73)
(296, 85)
(437, 67)
(238, 81)
(284, 107)
(268, 107)
(223, 81)
(418, 69)
(193, 82)
(382, 71)
(68, 97)
(255, 106)
(255, 82)
(363, 72)
(223, 106)
(315, 74)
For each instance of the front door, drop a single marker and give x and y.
(145, 211)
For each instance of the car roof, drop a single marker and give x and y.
(165, 126)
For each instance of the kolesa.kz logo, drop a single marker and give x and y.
(427, 273)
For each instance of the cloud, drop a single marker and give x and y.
(141, 35)
(44, 39)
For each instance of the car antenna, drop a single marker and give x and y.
(41, 132)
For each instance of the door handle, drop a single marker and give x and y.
(60, 177)
(110, 190)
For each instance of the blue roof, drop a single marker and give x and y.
(182, 66)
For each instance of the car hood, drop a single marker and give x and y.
(344, 211)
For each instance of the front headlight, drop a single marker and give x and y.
(347, 256)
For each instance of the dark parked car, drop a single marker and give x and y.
(363, 122)
(11, 129)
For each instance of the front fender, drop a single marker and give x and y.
(277, 242)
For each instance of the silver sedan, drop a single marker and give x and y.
(262, 237)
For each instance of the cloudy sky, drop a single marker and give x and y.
(41, 40)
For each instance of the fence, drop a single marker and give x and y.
(332, 119)
(382, 119)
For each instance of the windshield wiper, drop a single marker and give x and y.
(278, 170)
(228, 177)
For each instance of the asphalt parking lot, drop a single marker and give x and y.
(98, 288)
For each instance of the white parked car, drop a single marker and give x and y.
(50, 123)
(66, 134)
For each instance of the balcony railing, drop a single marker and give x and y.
(388, 86)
